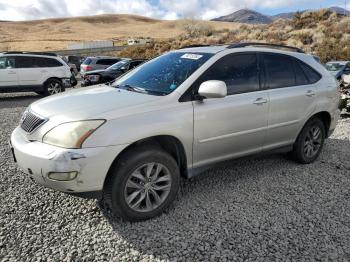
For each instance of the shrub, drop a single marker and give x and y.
(197, 29)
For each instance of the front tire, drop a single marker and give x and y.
(142, 184)
(309, 143)
(53, 86)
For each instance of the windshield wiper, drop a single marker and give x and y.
(142, 90)
(136, 89)
(133, 88)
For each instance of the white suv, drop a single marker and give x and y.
(43, 73)
(173, 117)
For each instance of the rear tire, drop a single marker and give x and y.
(142, 184)
(309, 143)
(52, 87)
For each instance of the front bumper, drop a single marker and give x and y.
(37, 160)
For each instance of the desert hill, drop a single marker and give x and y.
(55, 34)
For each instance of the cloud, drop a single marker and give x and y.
(208, 9)
(164, 9)
(37, 9)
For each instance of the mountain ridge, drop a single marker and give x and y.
(249, 16)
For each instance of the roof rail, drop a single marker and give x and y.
(238, 45)
(30, 53)
(191, 46)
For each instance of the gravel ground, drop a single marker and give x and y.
(259, 208)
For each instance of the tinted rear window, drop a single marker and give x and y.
(25, 62)
(87, 61)
(311, 74)
(35, 62)
(47, 62)
(300, 76)
(107, 61)
(279, 70)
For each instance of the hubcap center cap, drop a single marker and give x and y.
(148, 186)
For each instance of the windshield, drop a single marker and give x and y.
(334, 66)
(118, 65)
(163, 74)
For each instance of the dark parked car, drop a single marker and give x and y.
(111, 73)
(338, 68)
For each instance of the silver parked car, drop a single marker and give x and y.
(97, 63)
(174, 116)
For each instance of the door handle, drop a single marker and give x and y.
(43, 71)
(260, 101)
(12, 72)
(310, 93)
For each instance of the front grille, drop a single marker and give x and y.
(30, 122)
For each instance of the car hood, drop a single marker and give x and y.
(89, 103)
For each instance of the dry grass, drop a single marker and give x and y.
(322, 33)
(55, 34)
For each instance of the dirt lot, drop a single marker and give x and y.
(263, 208)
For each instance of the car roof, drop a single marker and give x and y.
(250, 46)
(339, 62)
(31, 55)
(203, 49)
(103, 57)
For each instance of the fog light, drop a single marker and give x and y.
(63, 176)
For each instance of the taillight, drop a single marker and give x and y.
(86, 67)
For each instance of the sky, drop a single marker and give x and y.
(163, 9)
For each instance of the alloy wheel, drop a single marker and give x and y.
(147, 187)
(313, 141)
(54, 88)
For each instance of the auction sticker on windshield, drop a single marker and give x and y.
(192, 56)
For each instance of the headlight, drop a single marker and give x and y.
(92, 78)
(72, 134)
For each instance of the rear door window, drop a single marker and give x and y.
(279, 71)
(47, 62)
(25, 62)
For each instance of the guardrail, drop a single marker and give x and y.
(90, 51)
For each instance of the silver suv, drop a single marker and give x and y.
(173, 117)
(97, 63)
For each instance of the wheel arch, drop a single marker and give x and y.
(52, 78)
(168, 143)
(324, 116)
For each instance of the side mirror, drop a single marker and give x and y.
(123, 69)
(213, 89)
